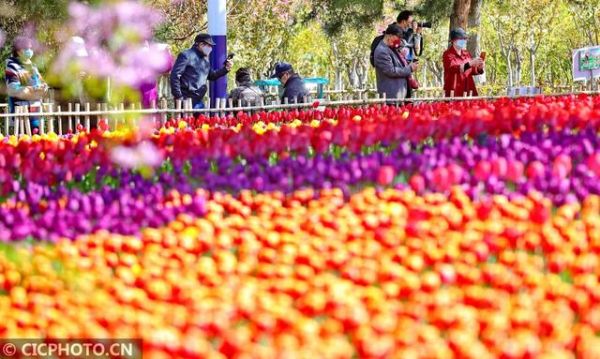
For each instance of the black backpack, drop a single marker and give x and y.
(374, 45)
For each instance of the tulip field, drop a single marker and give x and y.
(434, 230)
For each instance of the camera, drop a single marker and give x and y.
(425, 24)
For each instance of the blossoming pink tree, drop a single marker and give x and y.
(114, 42)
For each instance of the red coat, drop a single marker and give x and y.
(454, 79)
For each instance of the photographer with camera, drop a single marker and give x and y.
(403, 22)
(414, 38)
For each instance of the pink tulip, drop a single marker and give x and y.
(594, 163)
(514, 170)
(417, 183)
(535, 170)
(455, 173)
(566, 161)
(483, 170)
(500, 167)
(560, 170)
(386, 175)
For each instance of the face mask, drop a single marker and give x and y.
(207, 50)
(395, 43)
(28, 53)
(461, 44)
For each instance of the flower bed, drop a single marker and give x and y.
(434, 231)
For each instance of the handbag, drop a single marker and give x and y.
(413, 83)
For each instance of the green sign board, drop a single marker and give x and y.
(589, 59)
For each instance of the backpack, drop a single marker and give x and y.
(247, 94)
(374, 45)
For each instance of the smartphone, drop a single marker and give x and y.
(482, 55)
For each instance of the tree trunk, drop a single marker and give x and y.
(474, 30)
(436, 73)
(460, 14)
(338, 79)
(352, 76)
(363, 72)
(474, 23)
(532, 64)
(518, 66)
(509, 69)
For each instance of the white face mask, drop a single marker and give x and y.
(207, 50)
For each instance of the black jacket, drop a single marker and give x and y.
(294, 90)
(190, 74)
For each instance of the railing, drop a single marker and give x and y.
(73, 118)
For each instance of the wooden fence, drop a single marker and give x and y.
(73, 118)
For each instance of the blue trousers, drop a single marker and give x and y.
(197, 104)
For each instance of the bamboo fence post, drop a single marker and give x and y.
(27, 121)
(100, 116)
(42, 128)
(87, 117)
(164, 106)
(6, 121)
(191, 112)
(77, 118)
(70, 118)
(122, 110)
(178, 109)
(17, 120)
(60, 127)
(104, 115)
(51, 119)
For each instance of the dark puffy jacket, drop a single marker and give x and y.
(190, 74)
(294, 90)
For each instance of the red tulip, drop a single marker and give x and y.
(440, 179)
(514, 170)
(483, 170)
(455, 173)
(594, 163)
(417, 183)
(535, 170)
(540, 213)
(500, 167)
(385, 175)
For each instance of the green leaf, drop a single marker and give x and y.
(566, 277)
